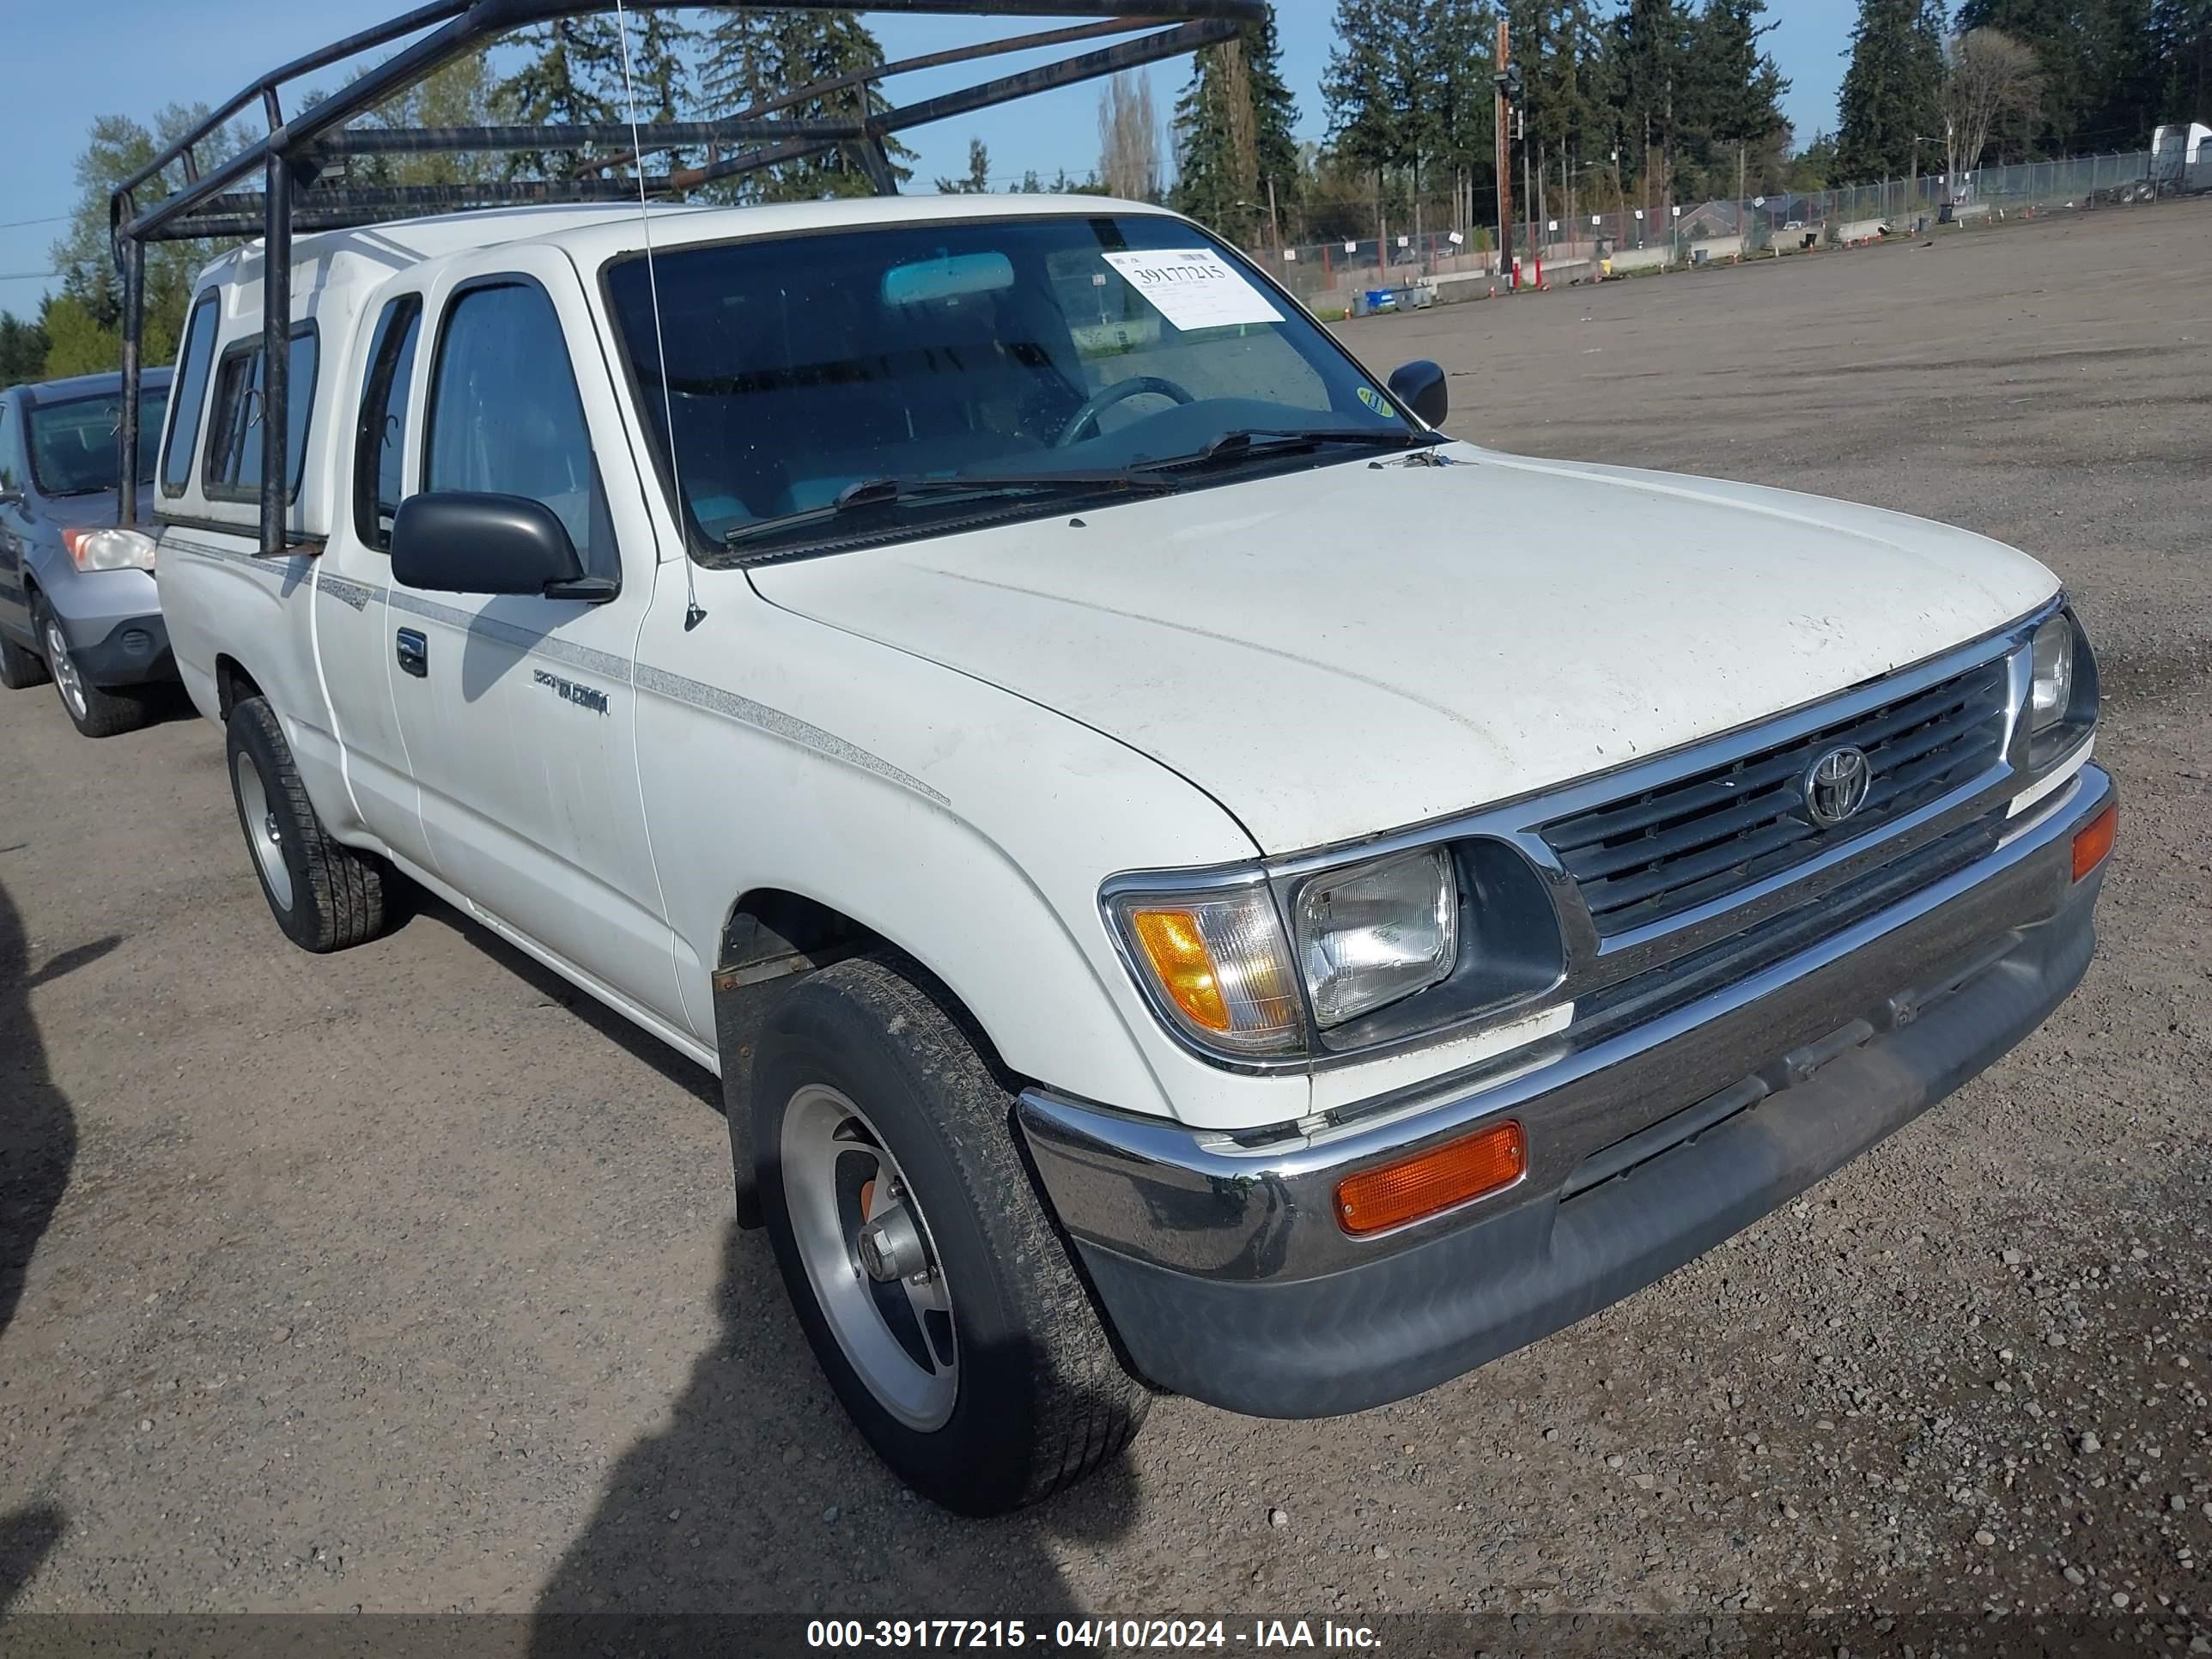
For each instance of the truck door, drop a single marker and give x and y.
(516, 710)
(353, 628)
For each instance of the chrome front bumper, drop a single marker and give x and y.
(1225, 1273)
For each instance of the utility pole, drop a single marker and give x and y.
(1507, 80)
(1274, 219)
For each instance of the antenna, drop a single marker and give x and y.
(693, 615)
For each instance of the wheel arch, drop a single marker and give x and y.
(232, 684)
(772, 940)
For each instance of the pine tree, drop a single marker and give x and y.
(1373, 85)
(739, 64)
(23, 351)
(2182, 31)
(2104, 74)
(1893, 91)
(978, 181)
(563, 84)
(1233, 126)
(1736, 94)
(749, 58)
(1456, 129)
(1654, 47)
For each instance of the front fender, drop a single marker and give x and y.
(965, 826)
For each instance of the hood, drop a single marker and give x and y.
(1349, 649)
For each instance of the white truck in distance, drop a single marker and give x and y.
(1192, 879)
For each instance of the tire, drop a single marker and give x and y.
(20, 669)
(94, 712)
(1036, 1398)
(326, 896)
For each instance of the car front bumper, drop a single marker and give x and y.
(134, 652)
(1224, 1275)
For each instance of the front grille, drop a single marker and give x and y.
(1697, 839)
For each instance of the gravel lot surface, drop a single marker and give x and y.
(402, 1280)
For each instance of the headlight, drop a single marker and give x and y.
(110, 550)
(1219, 965)
(2053, 692)
(1378, 933)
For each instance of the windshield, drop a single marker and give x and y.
(1015, 351)
(73, 443)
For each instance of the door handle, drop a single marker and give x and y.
(414, 652)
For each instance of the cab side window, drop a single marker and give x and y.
(381, 436)
(233, 455)
(506, 418)
(189, 398)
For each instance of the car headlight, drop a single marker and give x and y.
(111, 549)
(1378, 933)
(2052, 692)
(1217, 964)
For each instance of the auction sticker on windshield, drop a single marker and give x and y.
(1194, 288)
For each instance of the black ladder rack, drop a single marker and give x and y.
(295, 158)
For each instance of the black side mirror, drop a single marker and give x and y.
(1420, 387)
(456, 541)
(11, 497)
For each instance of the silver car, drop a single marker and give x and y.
(77, 600)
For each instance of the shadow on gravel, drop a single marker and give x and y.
(614, 1027)
(38, 1144)
(727, 1513)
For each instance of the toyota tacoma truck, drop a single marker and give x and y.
(1192, 879)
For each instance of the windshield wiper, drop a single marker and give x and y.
(1247, 442)
(892, 492)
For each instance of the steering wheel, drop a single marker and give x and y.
(1107, 395)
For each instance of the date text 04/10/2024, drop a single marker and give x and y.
(1089, 1635)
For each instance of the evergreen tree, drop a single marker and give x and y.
(2103, 77)
(1654, 44)
(749, 58)
(739, 64)
(978, 181)
(1737, 92)
(23, 351)
(1893, 89)
(564, 83)
(1561, 49)
(1373, 84)
(2183, 32)
(1456, 133)
(1233, 129)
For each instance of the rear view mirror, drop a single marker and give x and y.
(1420, 387)
(948, 276)
(454, 541)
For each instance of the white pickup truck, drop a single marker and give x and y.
(1192, 879)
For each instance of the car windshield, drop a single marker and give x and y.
(1038, 356)
(73, 443)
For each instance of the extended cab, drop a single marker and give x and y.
(1189, 877)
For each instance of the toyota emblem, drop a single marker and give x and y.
(1836, 786)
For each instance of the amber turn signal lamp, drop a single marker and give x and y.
(2093, 844)
(1375, 1200)
(1183, 965)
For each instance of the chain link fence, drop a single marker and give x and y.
(1406, 269)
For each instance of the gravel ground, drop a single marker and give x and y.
(402, 1280)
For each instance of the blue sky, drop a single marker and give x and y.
(135, 55)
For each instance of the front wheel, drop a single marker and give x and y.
(937, 1295)
(95, 711)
